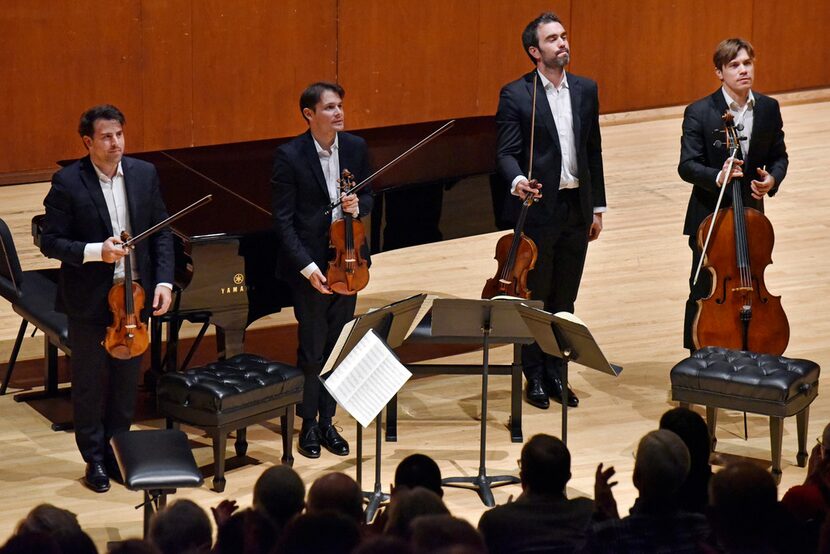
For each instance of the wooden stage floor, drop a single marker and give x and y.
(632, 297)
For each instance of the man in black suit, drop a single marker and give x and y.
(761, 163)
(91, 201)
(567, 161)
(543, 518)
(304, 183)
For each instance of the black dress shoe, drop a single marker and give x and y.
(554, 386)
(95, 478)
(309, 443)
(536, 394)
(333, 442)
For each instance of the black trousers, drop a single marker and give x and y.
(104, 391)
(701, 290)
(562, 247)
(320, 318)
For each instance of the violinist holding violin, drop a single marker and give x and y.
(567, 178)
(761, 161)
(89, 204)
(304, 182)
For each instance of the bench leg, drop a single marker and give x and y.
(776, 436)
(802, 419)
(287, 423)
(712, 424)
(241, 443)
(220, 443)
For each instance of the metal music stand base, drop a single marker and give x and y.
(376, 498)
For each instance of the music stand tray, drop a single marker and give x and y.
(565, 336)
(488, 320)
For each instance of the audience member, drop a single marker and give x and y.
(383, 544)
(324, 533)
(542, 517)
(418, 470)
(409, 504)
(655, 523)
(62, 525)
(443, 533)
(246, 532)
(745, 514)
(279, 494)
(336, 492)
(181, 527)
(31, 542)
(810, 503)
(693, 495)
(132, 546)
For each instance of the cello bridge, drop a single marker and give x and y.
(742, 289)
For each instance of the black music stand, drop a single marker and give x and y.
(570, 340)
(489, 320)
(391, 324)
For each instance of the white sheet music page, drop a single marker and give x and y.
(367, 379)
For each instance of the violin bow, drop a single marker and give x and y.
(732, 142)
(409, 151)
(530, 198)
(141, 236)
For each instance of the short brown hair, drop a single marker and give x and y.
(728, 50)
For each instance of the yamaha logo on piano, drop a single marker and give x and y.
(238, 285)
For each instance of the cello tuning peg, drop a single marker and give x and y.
(739, 127)
(717, 144)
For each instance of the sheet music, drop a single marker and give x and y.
(338, 346)
(367, 379)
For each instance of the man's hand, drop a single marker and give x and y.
(762, 187)
(525, 187)
(318, 281)
(350, 204)
(596, 227)
(162, 298)
(736, 171)
(605, 506)
(112, 251)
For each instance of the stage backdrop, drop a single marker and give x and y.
(198, 72)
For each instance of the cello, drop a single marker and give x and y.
(740, 313)
(517, 260)
(348, 270)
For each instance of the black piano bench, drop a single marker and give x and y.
(157, 462)
(774, 386)
(230, 395)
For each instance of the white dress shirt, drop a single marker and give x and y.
(743, 116)
(115, 195)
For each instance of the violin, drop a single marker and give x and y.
(740, 313)
(127, 336)
(348, 270)
(514, 261)
(517, 260)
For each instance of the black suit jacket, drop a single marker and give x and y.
(76, 214)
(300, 197)
(701, 160)
(513, 121)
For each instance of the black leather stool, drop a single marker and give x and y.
(757, 383)
(230, 395)
(157, 462)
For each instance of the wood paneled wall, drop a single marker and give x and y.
(198, 72)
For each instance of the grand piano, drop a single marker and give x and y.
(225, 251)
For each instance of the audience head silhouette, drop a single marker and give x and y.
(545, 465)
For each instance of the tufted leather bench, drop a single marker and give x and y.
(757, 383)
(232, 394)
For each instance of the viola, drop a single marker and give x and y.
(127, 337)
(516, 257)
(740, 313)
(348, 270)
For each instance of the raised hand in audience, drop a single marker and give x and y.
(605, 506)
(223, 511)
